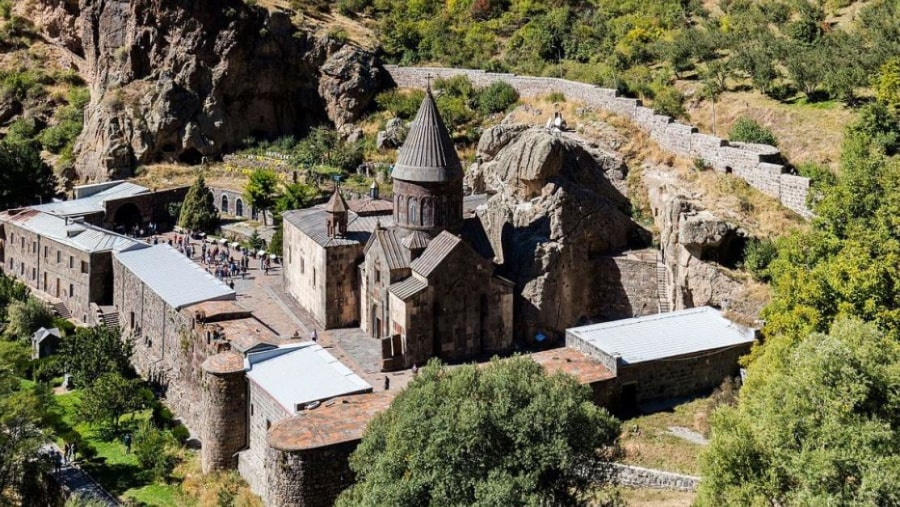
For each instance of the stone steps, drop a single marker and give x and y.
(62, 310)
(662, 289)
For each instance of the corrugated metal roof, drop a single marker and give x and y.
(428, 154)
(311, 221)
(437, 251)
(301, 373)
(175, 278)
(664, 335)
(79, 235)
(92, 203)
(408, 288)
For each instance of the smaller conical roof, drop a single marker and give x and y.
(428, 154)
(336, 204)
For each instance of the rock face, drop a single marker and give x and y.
(554, 214)
(697, 248)
(392, 136)
(178, 80)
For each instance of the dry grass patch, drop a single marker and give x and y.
(656, 497)
(646, 441)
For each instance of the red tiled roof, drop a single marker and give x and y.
(575, 363)
(337, 421)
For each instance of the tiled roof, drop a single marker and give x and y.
(171, 275)
(336, 204)
(416, 240)
(337, 421)
(428, 154)
(302, 373)
(92, 203)
(437, 251)
(311, 221)
(369, 206)
(573, 362)
(407, 288)
(396, 256)
(664, 335)
(248, 334)
(79, 235)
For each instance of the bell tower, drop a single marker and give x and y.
(336, 221)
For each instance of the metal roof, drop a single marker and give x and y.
(439, 248)
(428, 154)
(407, 288)
(301, 373)
(93, 203)
(79, 235)
(175, 278)
(396, 256)
(311, 221)
(416, 240)
(336, 204)
(664, 335)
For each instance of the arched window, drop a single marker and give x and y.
(428, 211)
(413, 213)
(239, 208)
(224, 203)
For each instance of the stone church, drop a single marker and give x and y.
(421, 279)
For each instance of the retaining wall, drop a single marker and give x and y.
(745, 161)
(638, 477)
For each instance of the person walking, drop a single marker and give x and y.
(127, 442)
(315, 336)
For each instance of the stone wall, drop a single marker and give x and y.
(224, 426)
(626, 287)
(152, 206)
(264, 412)
(748, 162)
(308, 478)
(58, 271)
(639, 477)
(233, 203)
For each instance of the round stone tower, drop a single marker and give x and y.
(428, 175)
(224, 411)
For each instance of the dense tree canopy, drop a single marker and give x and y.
(198, 212)
(261, 190)
(505, 434)
(24, 178)
(94, 351)
(817, 425)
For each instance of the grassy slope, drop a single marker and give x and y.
(646, 440)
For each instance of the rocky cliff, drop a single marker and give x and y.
(699, 249)
(180, 80)
(554, 216)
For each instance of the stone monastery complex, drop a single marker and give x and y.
(278, 375)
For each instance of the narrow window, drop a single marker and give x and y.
(58, 256)
(71, 262)
(84, 266)
(46, 250)
(71, 289)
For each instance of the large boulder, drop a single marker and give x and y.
(552, 217)
(349, 80)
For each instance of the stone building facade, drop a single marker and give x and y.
(64, 261)
(420, 280)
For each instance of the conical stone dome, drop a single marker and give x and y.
(428, 154)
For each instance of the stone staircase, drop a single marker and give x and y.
(62, 310)
(662, 293)
(109, 316)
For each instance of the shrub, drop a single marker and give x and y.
(181, 434)
(455, 86)
(401, 105)
(5, 9)
(758, 254)
(556, 97)
(150, 447)
(747, 130)
(670, 102)
(496, 98)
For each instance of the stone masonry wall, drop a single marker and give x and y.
(264, 411)
(746, 162)
(625, 288)
(224, 426)
(639, 477)
(310, 478)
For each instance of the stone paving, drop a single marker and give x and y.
(76, 482)
(265, 296)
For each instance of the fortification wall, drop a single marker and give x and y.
(753, 163)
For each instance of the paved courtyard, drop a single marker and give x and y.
(265, 296)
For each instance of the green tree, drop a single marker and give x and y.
(24, 178)
(261, 191)
(93, 351)
(151, 447)
(887, 84)
(747, 130)
(496, 98)
(26, 317)
(109, 397)
(10, 290)
(198, 212)
(296, 196)
(506, 434)
(816, 424)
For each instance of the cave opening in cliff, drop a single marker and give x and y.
(190, 156)
(729, 252)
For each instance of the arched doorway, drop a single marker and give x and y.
(127, 217)
(239, 208)
(224, 204)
